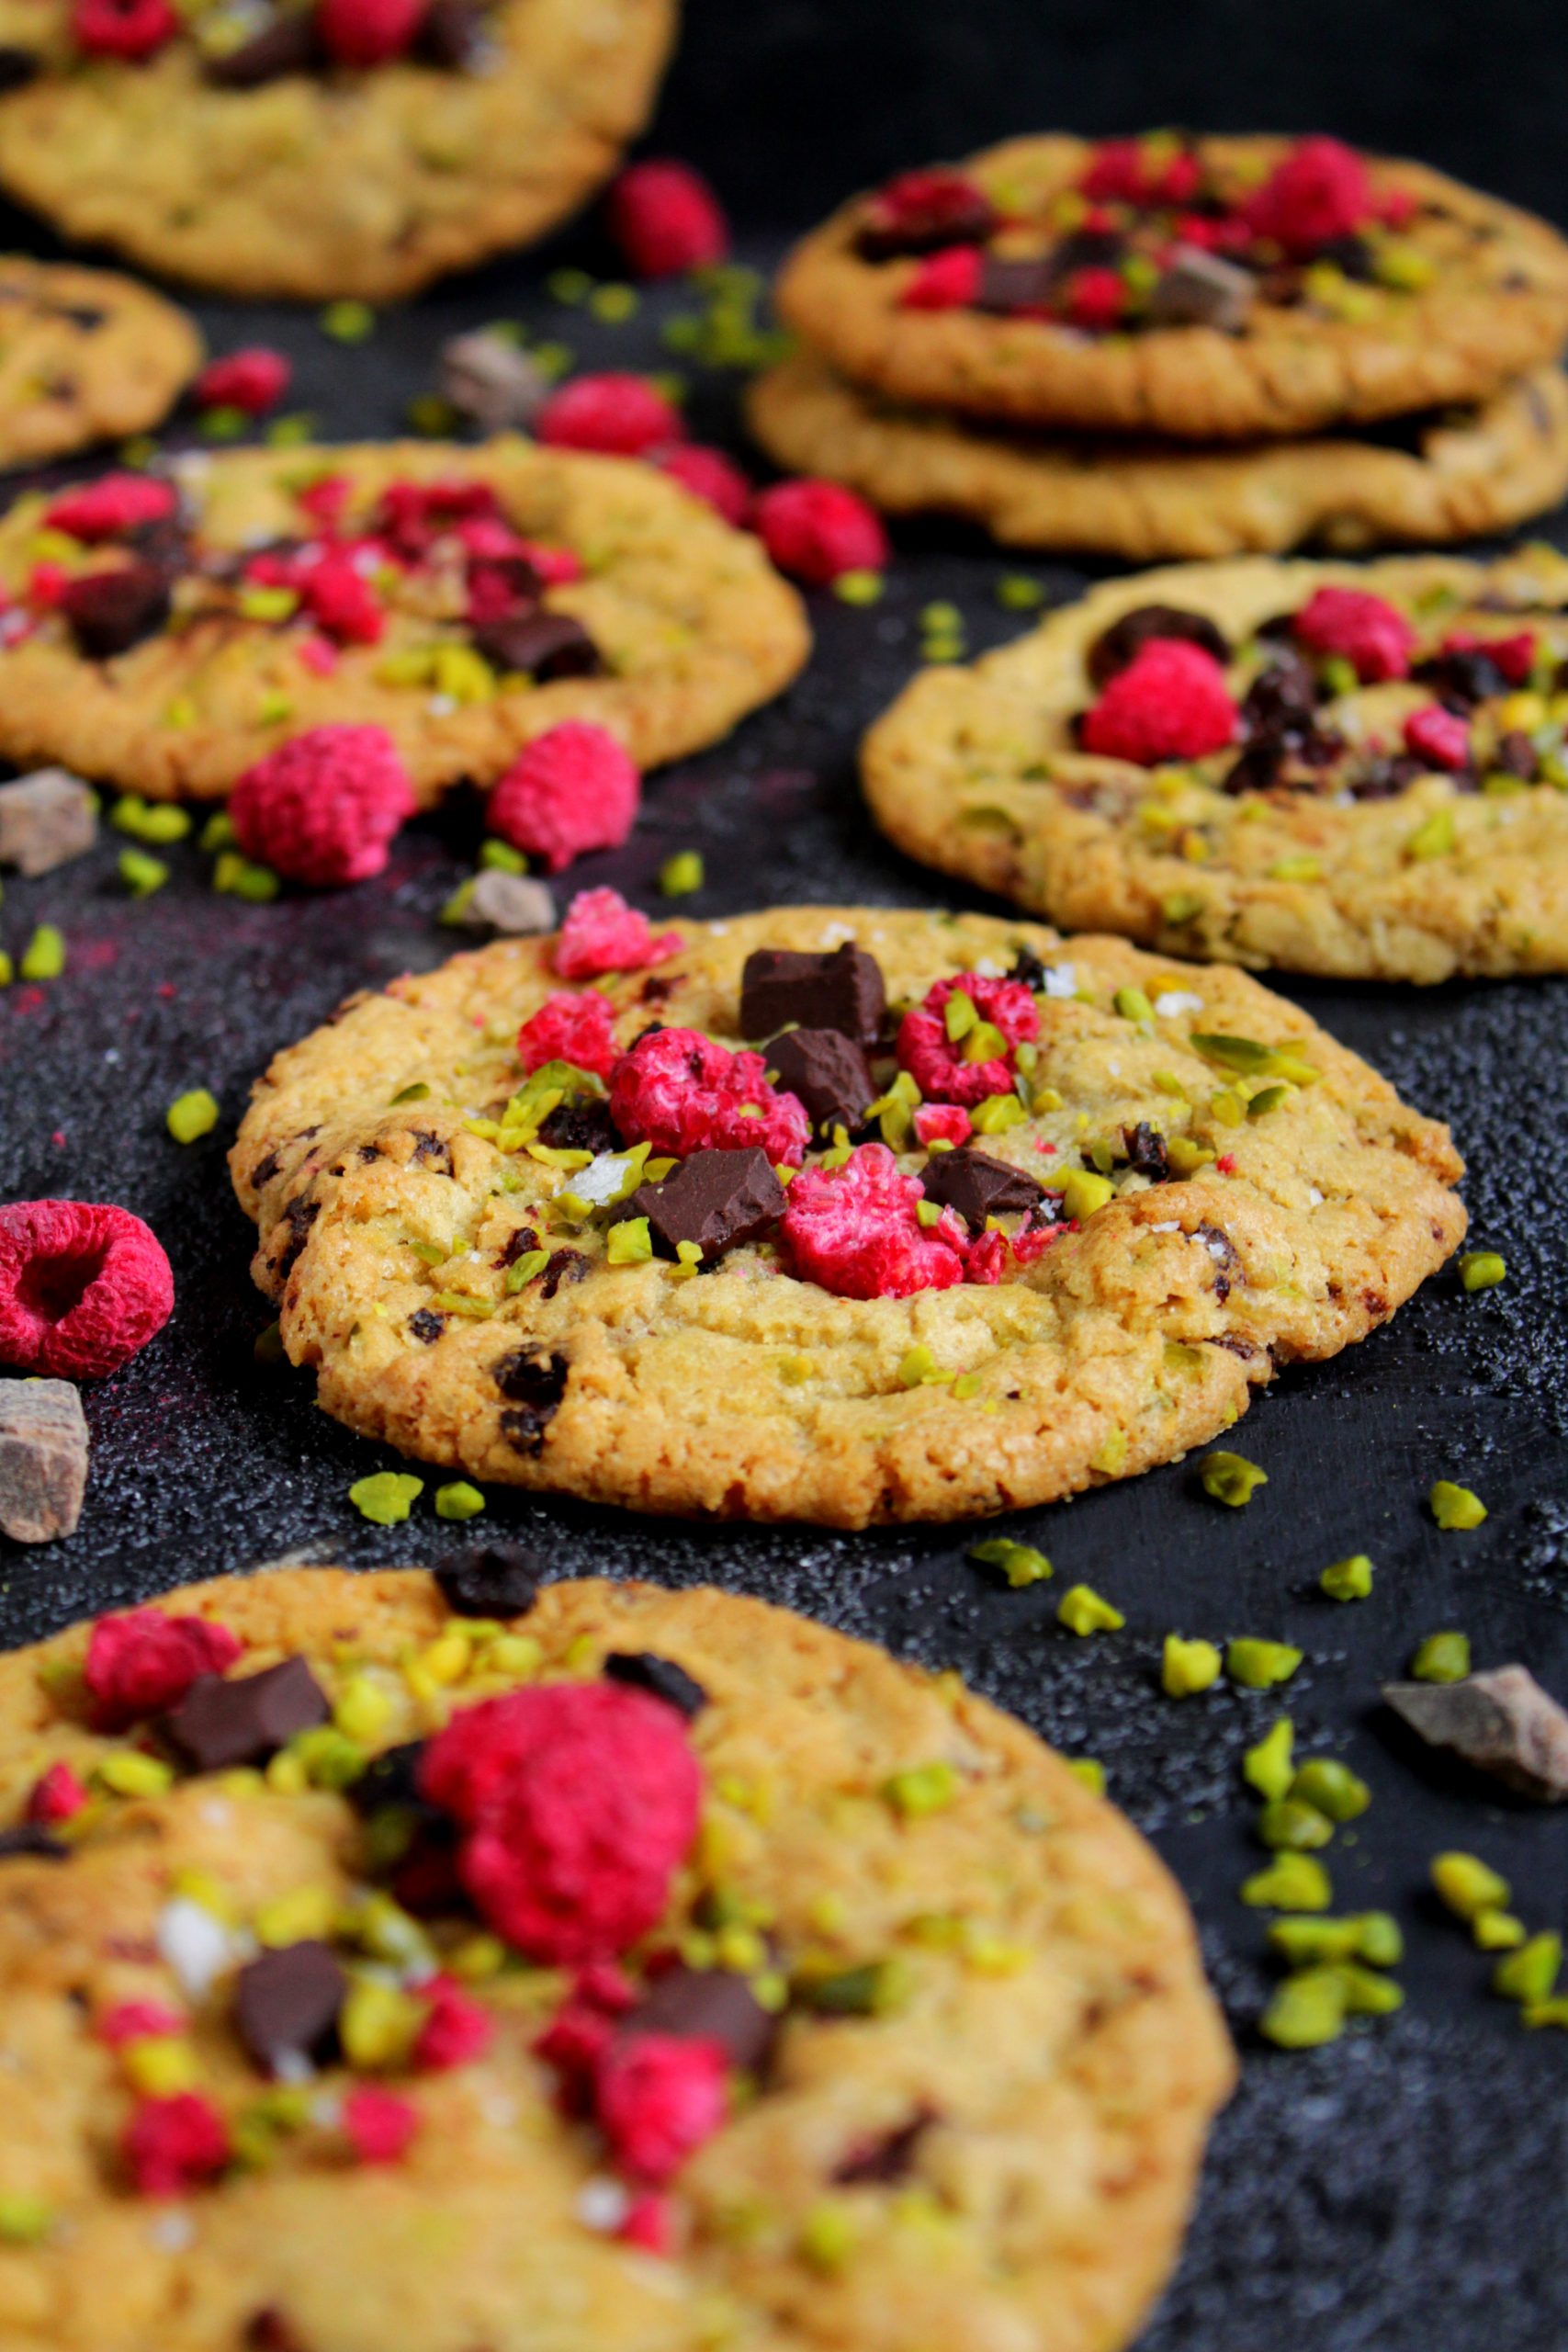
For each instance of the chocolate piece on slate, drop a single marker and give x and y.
(513, 904)
(287, 2003)
(486, 379)
(1199, 289)
(220, 1723)
(43, 1459)
(843, 990)
(30, 1841)
(1007, 285)
(660, 1677)
(109, 612)
(828, 1071)
(502, 1580)
(708, 2005)
(46, 819)
(717, 1199)
(977, 1186)
(1114, 647)
(541, 644)
(1502, 1722)
(288, 46)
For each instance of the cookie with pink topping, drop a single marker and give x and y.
(825, 1214)
(1356, 772)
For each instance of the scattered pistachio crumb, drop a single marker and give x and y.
(1083, 1610)
(681, 874)
(192, 1115)
(1016, 592)
(1349, 1579)
(503, 856)
(859, 587)
(25, 2220)
(1021, 1564)
(1293, 1882)
(1259, 1665)
(1325, 1782)
(1188, 1667)
(1270, 1766)
(1441, 1657)
(141, 874)
(385, 1496)
(1307, 2010)
(1482, 1269)
(236, 878)
(458, 1500)
(1468, 1885)
(347, 321)
(1530, 1973)
(921, 1789)
(44, 958)
(1231, 1478)
(1453, 1506)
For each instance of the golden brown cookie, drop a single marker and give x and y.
(1269, 287)
(1450, 474)
(465, 599)
(1166, 1182)
(85, 356)
(1341, 828)
(296, 177)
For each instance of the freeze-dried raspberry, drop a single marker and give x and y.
(173, 2144)
(340, 599)
(367, 32)
(602, 934)
(621, 416)
(252, 380)
(1124, 171)
(1032, 1241)
(324, 501)
(574, 2043)
(55, 1796)
(1513, 656)
(947, 281)
(942, 1122)
(576, 1029)
(1373, 637)
(853, 1230)
(658, 2099)
(572, 789)
(985, 1258)
(412, 516)
(578, 1802)
(936, 1062)
(666, 218)
(111, 507)
(1095, 299)
(379, 2125)
(142, 1662)
(457, 2030)
(323, 808)
(130, 29)
(1318, 192)
(1437, 736)
(816, 530)
(921, 210)
(1171, 703)
(82, 1286)
(709, 475)
(131, 2021)
(683, 1093)
(650, 2224)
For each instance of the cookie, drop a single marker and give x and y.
(350, 149)
(1447, 474)
(1094, 1200)
(465, 599)
(1220, 289)
(836, 2010)
(1404, 819)
(85, 356)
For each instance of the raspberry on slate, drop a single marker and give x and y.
(1171, 703)
(666, 218)
(816, 530)
(323, 808)
(82, 1286)
(853, 1230)
(576, 1029)
(252, 380)
(572, 789)
(618, 416)
(684, 1092)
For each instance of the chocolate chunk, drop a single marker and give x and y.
(1502, 1722)
(583, 1122)
(288, 46)
(843, 990)
(1027, 967)
(109, 612)
(502, 1580)
(18, 67)
(511, 903)
(888, 2159)
(1199, 289)
(717, 1199)
(80, 315)
(43, 1459)
(828, 1071)
(29, 1841)
(534, 1385)
(1281, 699)
(977, 1186)
(391, 1778)
(543, 645)
(517, 1244)
(1146, 1151)
(1009, 286)
(432, 1150)
(271, 2331)
(220, 1723)
(287, 2003)
(1115, 647)
(486, 379)
(1383, 779)
(660, 1677)
(1223, 1252)
(708, 2005)
(455, 34)
(426, 1324)
(46, 819)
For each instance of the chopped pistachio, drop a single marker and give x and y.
(1259, 1665)
(347, 321)
(192, 1115)
(1368, 1994)
(1441, 1657)
(1268, 1767)
(1530, 1973)
(1083, 1610)
(999, 1111)
(304, 1912)
(1291, 1827)
(828, 2236)
(458, 1500)
(44, 958)
(25, 2220)
(1453, 1506)
(363, 1711)
(629, 1243)
(127, 1772)
(502, 856)
(872, 1989)
(378, 2024)
(1231, 1478)
(1016, 592)
(1349, 1580)
(681, 874)
(235, 876)
(387, 1495)
(1495, 1930)
(141, 875)
(1467, 1885)
(1435, 837)
(921, 1789)
(1332, 1787)
(1089, 1771)
(1307, 2010)
(1021, 1564)
(1293, 1882)
(1083, 1193)
(1482, 1269)
(1133, 1005)
(1187, 1666)
(859, 587)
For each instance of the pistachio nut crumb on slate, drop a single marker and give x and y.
(43, 1459)
(836, 1214)
(1502, 1722)
(1354, 772)
(462, 600)
(336, 1927)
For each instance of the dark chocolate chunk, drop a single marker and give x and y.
(1223, 1252)
(717, 1199)
(426, 1324)
(1146, 1151)
(270, 2331)
(1281, 699)
(220, 1723)
(28, 1841)
(18, 67)
(828, 1071)
(1198, 289)
(1517, 755)
(976, 1185)
(287, 2002)
(660, 1677)
(1502, 1723)
(502, 1580)
(544, 645)
(431, 1150)
(109, 612)
(583, 1122)
(534, 1385)
(1115, 647)
(843, 990)
(1385, 779)
(887, 2160)
(453, 34)
(1009, 286)
(1027, 967)
(708, 2005)
(392, 1778)
(288, 46)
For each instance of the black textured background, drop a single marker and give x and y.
(1407, 2186)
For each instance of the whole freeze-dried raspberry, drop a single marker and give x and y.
(1319, 192)
(572, 789)
(947, 281)
(937, 1062)
(130, 29)
(709, 475)
(619, 416)
(1514, 657)
(666, 218)
(576, 1029)
(658, 2099)
(1437, 736)
(921, 210)
(367, 32)
(853, 1230)
(252, 380)
(412, 516)
(1171, 703)
(683, 1093)
(578, 1802)
(323, 808)
(175, 2144)
(602, 934)
(142, 1662)
(111, 507)
(1124, 171)
(816, 530)
(340, 599)
(1370, 634)
(55, 1796)
(457, 2030)
(82, 1286)
(379, 2125)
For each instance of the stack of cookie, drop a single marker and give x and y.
(1180, 347)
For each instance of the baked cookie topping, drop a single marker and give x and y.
(167, 633)
(845, 1216)
(85, 356)
(1341, 771)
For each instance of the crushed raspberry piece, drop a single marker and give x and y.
(47, 584)
(682, 1093)
(1319, 192)
(1440, 737)
(1123, 171)
(84, 1285)
(173, 2144)
(324, 501)
(937, 1065)
(413, 514)
(923, 209)
(1171, 703)
(650, 2224)
(816, 530)
(602, 934)
(572, 789)
(112, 506)
(131, 2021)
(948, 280)
(574, 2043)
(985, 1258)
(319, 655)
(1395, 207)
(1225, 1164)
(943, 1123)
(379, 2125)
(340, 599)
(576, 1029)
(1372, 636)
(658, 2098)
(620, 417)
(55, 1796)
(130, 29)
(1514, 656)
(666, 218)
(323, 808)
(1033, 1240)
(144, 1662)
(1095, 299)
(578, 1802)
(709, 475)
(252, 380)
(367, 32)
(853, 1230)
(457, 2030)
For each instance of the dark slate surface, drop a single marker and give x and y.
(1403, 2187)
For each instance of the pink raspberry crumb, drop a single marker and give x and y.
(142, 1662)
(948, 280)
(709, 475)
(666, 218)
(252, 380)
(367, 32)
(853, 1230)
(1171, 703)
(111, 507)
(1096, 299)
(131, 2021)
(379, 2125)
(55, 1796)
(458, 2029)
(572, 789)
(618, 416)
(816, 530)
(650, 2224)
(602, 934)
(576, 1029)
(341, 600)
(83, 1286)
(1438, 737)
(1320, 192)
(937, 1064)
(1373, 635)
(132, 30)
(658, 2099)
(323, 808)
(942, 1123)
(684, 1092)
(175, 2144)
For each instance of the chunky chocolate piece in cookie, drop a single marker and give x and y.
(660, 1676)
(841, 990)
(540, 645)
(220, 1723)
(977, 1186)
(502, 1581)
(287, 2003)
(715, 1200)
(828, 1071)
(1146, 624)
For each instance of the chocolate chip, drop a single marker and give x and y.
(1027, 967)
(1146, 1151)
(1199, 289)
(543, 645)
(287, 2002)
(843, 991)
(1517, 755)
(299, 1216)
(1383, 779)
(219, 1723)
(534, 1385)
(717, 1199)
(660, 1677)
(888, 2159)
(1464, 676)
(977, 1186)
(426, 1324)
(1281, 699)
(1009, 286)
(583, 1122)
(288, 46)
(453, 34)
(271, 2331)
(828, 1071)
(1115, 647)
(109, 612)
(708, 2005)
(30, 1841)
(502, 1580)
(433, 1151)
(18, 67)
